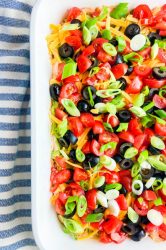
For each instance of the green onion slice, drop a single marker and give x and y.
(120, 10)
(70, 69)
(86, 36)
(72, 226)
(94, 32)
(158, 162)
(121, 43)
(70, 107)
(81, 206)
(134, 57)
(94, 217)
(130, 153)
(109, 49)
(138, 111)
(80, 155)
(116, 186)
(108, 92)
(139, 100)
(132, 215)
(122, 127)
(156, 142)
(99, 181)
(106, 34)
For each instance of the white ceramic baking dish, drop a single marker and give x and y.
(46, 228)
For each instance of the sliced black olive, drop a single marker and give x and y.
(76, 21)
(123, 190)
(92, 136)
(129, 70)
(85, 92)
(153, 36)
(149, 111)
(91, 161)
(119, 59)
(159, 175)
(139, 235)
(144, 220)
(72, 155)
(94, 61)
(68, 216)
(153, 151)
(99, 209)
(55, 91)
(126, 164)
(114, 42)
(65, 50)
(98, 99)
(152, 92)
(102, 188)
(99, 34)
(146, 173)
(83, 106)
(118, 158)
(124, 115)
(123, 82)
(132, 30)
(158, 73)
(70, 137)
(130, 228)
(63, 142)
(124, 147)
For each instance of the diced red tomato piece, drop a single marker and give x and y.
(161, 209)
(83, 63)
(103, 74)
(88, 51)
(98, 42)
(110, 152)
(126, 136)
(145, 53)
(62, 177)
(162, 55)
(98, 127)
(67, 90)
(63, 197)
(142, 71)
(104, 237)
(141, 208)
(59, 207)
(135, 126)
(71, 79)
(119, 70)
(122, 202)
(135, 86)
(74, 41)
(76, 126)
(149, 195)
(104, 57)
(159, 101)
(162, 195)
(108, 137)
(140, 141)
(113, 225)
(60, 114)
(112, 177)
(112, 120)
(57, 71)
(160, 129)
(87, 120)
(142, 11)
(91, 197)
(154, 83)
(60, 161)
(95, 148)
(75, 189)
(80, 175)
(87, 148)
(73, 13)
(162, 231)
(126, 181)
(118, 237)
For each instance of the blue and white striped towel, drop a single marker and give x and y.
(15, 176)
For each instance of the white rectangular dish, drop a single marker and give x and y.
(46, 228)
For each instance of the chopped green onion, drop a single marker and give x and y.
(120, 10)
(54, 105)
(94, 217)
(139, 100)
(106, 34)
(162, 92)
(99, 181)
(137, 177)
(147, 121)
(80, 155)
(71, 204)
(161, 121)
(140, 200)
(135, 170)
(150, 182)
(94, 71)
(158, 143)
(138, 111)
(70, 26)
(121, 43)
(116, 186)
(130, 153)
(137, 187)
(132, 215)
(157, 184)
(115, 85)
(101, 107)
(108, 92)
(133, 56)
(81, 206)
(149, 106)
(143, 156)
(108, 126)
(158, 162)
(161, 113)
(122, 127)
(91, 97)
(84, 185)
(86, 36)
(158, 201)
(69, 69)
(103, 13)
(109, 145)
(110, 108)
(54, 153)
(70, 107)
(62, 128)
(109, 49)
(105, 160)
(91, 22)
(119, 102)
(154, 51)
(94, 32)
(63, 153)
(161, 43)
(72, 225)
(145, 90)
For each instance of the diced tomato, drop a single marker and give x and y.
(97, 225)
(126, 181)
(127, 49)
(118, 237)
(67, 90)
(150, 228)
(63, 197)
(104, 57)
(124, 173)
(98, 127)
(76, 33)
(91, 80)
(73, 13)
(87, 120)
(75, 189)
(113, 225)
(149, 195)
(141, 208)
(87, 148)
(103, 74)
(80, 175)
(126, 136)
(112, 120)
(161, 26)
(162, 55)
(58, 74)
(159, 101)
(135, 86)
(142, 11)
(76, 126)
(122, 202)
(162, 231)
(83, 63)
(71, 79)
(104, 237)
(75, 97)
(59, 207)
(91, 197)
(161, 209)
(95, 148)
(60, 114)
(74, 41)
(162, 195)
(119, 70)
(107, 137)
(154, 83)
(135, 127)
(140, 141)
(88, 51)
(162, 32)
(98, 42)
(149, 132)
(112, 177)
(96, 12)
(62, 177)
(142, 71)
(145, 53)
(110, 152)
(160, 129)
(105, 65)
(60, 161)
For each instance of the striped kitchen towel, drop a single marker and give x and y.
(15, 150)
